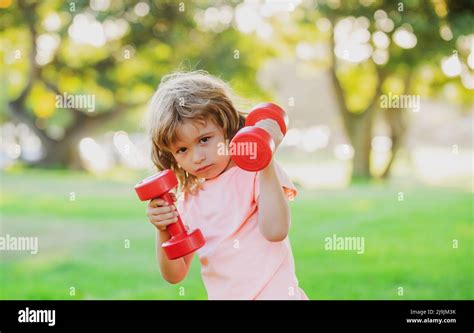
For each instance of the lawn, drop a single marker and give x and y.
(100, 245)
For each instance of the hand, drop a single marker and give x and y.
(272, 127)
(161, 214)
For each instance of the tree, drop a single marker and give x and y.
(400, 40)
(404, 62)
(115, 52)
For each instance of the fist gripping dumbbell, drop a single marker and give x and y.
(257, 138)
(181, 242)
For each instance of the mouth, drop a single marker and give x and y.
(204, 168)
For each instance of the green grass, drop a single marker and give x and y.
(408, 243)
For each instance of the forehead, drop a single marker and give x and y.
(190, 131)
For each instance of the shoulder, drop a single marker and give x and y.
(285, 181)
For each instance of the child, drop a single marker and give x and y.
(244, 216)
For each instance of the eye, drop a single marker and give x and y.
(205, 139)
(181, 150)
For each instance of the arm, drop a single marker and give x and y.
(173, 271)
(273, 211)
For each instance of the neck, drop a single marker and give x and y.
(230, 164)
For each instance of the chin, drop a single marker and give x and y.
(213, 175)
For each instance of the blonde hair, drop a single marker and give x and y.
(181, 96)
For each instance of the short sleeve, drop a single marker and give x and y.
(288, 187)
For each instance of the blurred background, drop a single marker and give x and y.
(380, 100)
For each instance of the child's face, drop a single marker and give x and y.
(200, 146)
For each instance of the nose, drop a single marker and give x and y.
(198, 155)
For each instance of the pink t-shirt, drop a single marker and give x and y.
(237, 262)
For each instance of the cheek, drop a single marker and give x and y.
(215, 147)
(220, 152)
(178, 158)
(215, 144)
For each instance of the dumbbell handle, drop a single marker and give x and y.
(175, 228)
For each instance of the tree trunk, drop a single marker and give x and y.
(358, 126)
(60, 154)
(64, 152)
(396, 119)
(359, 131)
(397, 124)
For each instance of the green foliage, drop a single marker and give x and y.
(425, 18)
(126, 70)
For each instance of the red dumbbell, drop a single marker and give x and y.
(181, 242)
(257, 144)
